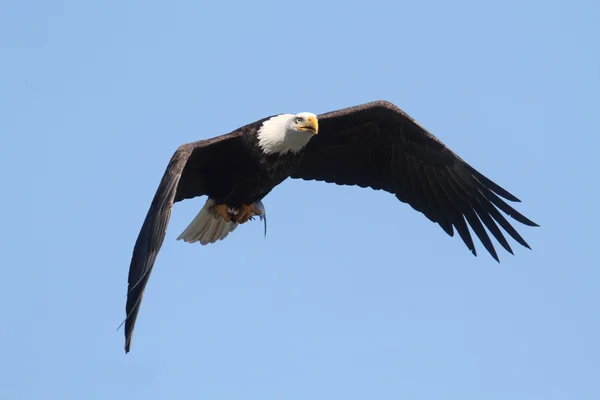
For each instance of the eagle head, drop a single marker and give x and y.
(287, 132)
(305, 122)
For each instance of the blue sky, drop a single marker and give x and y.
(353, 294)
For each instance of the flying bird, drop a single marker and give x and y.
(374, 145)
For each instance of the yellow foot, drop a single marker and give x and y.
(246, 212)
(223, 211)
(240, 215)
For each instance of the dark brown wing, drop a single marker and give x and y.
(379, 146)
(183, 179)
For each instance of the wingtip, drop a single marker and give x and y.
(495, 257)
(127, 345)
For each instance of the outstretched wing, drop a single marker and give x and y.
(183, 179)
(379, 146)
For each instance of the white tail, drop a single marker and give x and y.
(207, 227)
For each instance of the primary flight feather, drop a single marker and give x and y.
(374, 145)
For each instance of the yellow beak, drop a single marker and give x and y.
(311, 124)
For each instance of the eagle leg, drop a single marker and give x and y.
(223, 211)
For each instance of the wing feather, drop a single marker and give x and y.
(491, 225)
(457, 202)
(446, 209)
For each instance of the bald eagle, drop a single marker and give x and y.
(374, 145)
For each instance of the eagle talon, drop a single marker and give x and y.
(246, 213)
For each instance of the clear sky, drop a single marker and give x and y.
(353, 295)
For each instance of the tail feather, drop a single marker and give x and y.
(222, 230)
(207, 227)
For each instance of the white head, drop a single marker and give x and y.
(287, 132)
